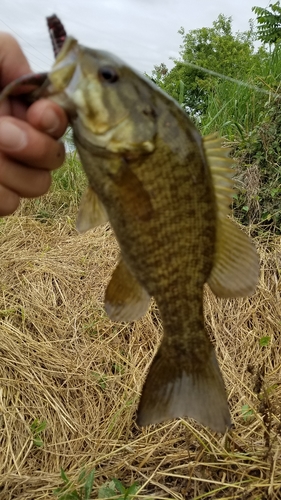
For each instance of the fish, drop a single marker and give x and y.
(166, 192)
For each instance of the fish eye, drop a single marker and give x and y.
(108, 74)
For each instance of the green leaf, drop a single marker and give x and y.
(38, 442)
(71, 496)
(247, 412)
(119, 486)
(64, 476)
(36, 427)
(106, 491)
(82, 475)
(89, 484)
(66, 496)
(264, 341)
(41, 426)
(272, 388)
(101, 379)
(133, 489)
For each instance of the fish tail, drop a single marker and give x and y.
(181, 386)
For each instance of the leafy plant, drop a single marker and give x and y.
(101, 379)
(260, 172)
(247, 412)
(214, 49)
(228, 86)
(113, 488)
(264, 341)
(269, 23)
(37, 428)
(117, 490)
(82, 492)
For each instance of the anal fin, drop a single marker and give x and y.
(125, 298)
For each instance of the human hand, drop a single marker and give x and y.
(29, 146)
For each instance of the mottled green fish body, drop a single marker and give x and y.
(166, 193)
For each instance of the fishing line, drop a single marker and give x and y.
(186, 63)
(28, 43)
(34, 63)
(229, 78)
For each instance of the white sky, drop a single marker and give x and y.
(142, 32)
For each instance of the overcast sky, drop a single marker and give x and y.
(142, 32)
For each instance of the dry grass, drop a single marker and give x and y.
(65, 363)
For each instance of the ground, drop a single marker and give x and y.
(70, 379)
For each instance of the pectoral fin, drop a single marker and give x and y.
(125, 299)
(91, 212)
(236, 266)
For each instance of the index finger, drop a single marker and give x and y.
(13, 62)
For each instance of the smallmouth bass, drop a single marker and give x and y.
(166, 193)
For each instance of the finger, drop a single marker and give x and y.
(14, 107)
(22, 142)
(9, 201)
(13, 62)
(47, 116)
(24, 181)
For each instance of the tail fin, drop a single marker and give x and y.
(184, 389)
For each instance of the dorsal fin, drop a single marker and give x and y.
(221, 171)
(235, 270)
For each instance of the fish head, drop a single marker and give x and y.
(107, 103)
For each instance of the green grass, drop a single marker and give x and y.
(37, 428)
(110, 489)
(236, 109)
(63, 198)
(82, 492)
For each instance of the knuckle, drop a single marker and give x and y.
(9, 201)
(3, 168)
(42, 182)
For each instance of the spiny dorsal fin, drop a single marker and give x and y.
(125, 299)
(235, 270)
(91, 212)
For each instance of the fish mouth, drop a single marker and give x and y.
(64, 77)
(64, 68)
(78, 93)
(103, 139)
(95, 115)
